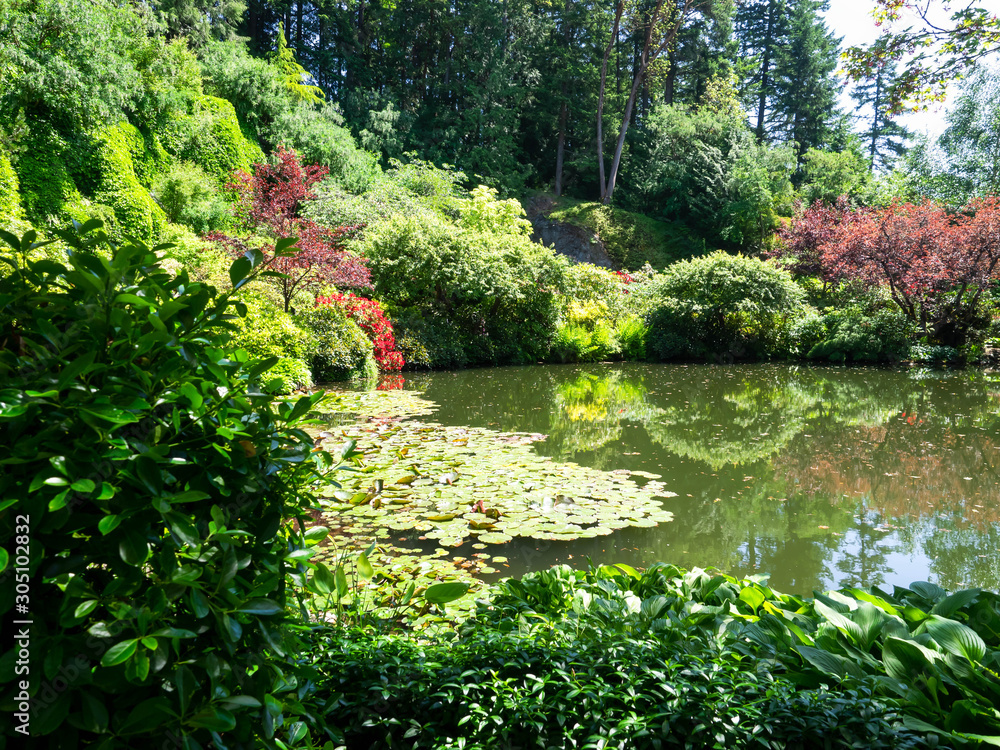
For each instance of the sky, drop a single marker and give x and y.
(852, 20)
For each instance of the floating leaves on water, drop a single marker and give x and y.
(474, 484)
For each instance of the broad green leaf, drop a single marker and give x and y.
(214, 719)
(323, 580)
(365, 569)
(752, 596)
(905, 660)
(956, 638)
(842, 622)
(85, 608)
(828, 663)
(442, 593)
(4, 559)
(317, 534)
(133, 548)
(239, 269)
(260, 607)
(341, 578)
(954, 602)
(95, 715)
(147, 716)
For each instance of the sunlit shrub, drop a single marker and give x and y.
(268, 331)
(338, 348)
(190, 197)
(723, 305)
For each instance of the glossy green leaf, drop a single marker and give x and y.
(956, 638)
(260, 607)
(214, 719)
(119, 653)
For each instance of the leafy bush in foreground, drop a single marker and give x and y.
(157, 499)
(515, 677)
(931, 656)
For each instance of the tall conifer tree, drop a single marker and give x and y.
(806, 100)
(883, 137)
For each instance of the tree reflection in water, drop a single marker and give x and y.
(819, 476)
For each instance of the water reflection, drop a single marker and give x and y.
(819, 476)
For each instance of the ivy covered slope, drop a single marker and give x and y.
(104, 115)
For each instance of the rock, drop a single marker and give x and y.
(577, 243)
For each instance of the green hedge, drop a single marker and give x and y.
(338, 348)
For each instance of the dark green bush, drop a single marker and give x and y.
(499, 292)
(338, 348)
(857, 334)
(723, 306)
(156, 498)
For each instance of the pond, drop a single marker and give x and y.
(820, 477)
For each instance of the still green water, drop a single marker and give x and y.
(820, 477)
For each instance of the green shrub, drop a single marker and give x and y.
(856, 334)
(338, 348)
(209, 135)
(617, 658)
(723, 305)
(925, 655)
(258, 91)
(190, 197)
(44, 176)
(204, 261)
(268, 331)
(427, 339)
(162, 498)
(631, 335)
(498, 291)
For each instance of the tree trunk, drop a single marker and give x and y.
(668, 91)
(561, 143)
(600, 97)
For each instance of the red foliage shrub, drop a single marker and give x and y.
(370, 318)
(935, 265)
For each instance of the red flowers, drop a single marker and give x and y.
(370, 318)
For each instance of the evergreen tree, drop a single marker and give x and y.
(883, 136)
(806, 96)
(761, 29)
(199, 20)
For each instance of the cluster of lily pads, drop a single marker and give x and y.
(451, 486)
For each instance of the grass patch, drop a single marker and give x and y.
(630, 239)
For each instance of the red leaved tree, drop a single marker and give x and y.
(269, 202)
(935, 265)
